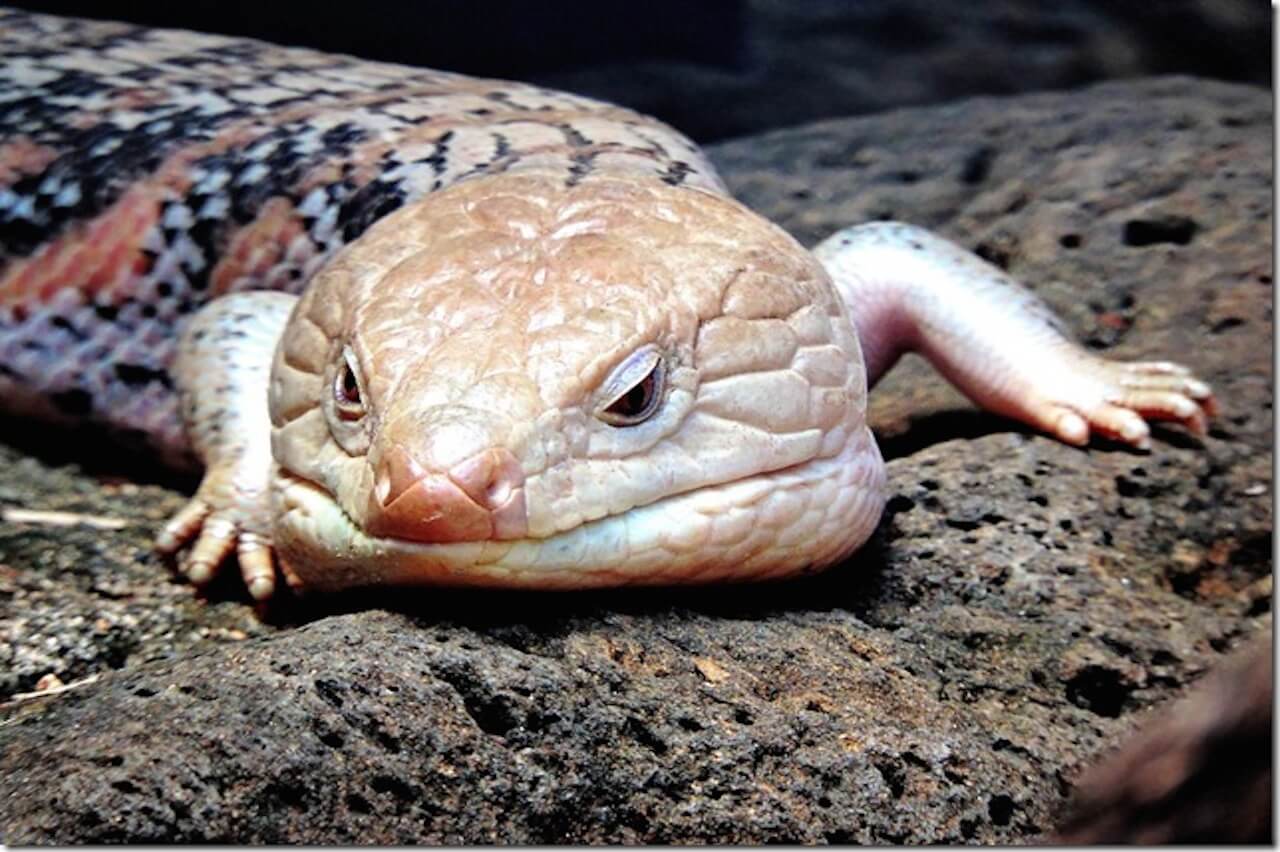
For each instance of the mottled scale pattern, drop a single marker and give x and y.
(144, 172)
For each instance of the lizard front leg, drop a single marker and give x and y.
(909, 290)
(222, 369)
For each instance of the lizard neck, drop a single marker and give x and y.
(572, 139)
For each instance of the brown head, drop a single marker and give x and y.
(514, 380)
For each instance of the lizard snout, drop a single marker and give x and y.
(477, 499)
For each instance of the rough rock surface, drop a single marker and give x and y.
(1022, 608)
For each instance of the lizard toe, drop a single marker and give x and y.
(1167, 405)
(257, 566)
(182, 527)
(215, 542)
(1120, 424)
(1060, 421)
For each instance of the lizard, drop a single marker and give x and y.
(423, 328)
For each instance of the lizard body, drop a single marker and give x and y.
(423, 328)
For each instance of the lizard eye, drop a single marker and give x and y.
(634, 393)
(347, 395)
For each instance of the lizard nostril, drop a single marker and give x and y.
(382, 486)
(499, 492)
(489, 477)
(397, 473)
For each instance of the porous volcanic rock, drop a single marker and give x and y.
(1022, 607)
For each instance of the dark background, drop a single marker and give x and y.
(724, 68)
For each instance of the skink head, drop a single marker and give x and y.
(522, 382)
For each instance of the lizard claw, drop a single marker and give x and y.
(214, 526)
(1117, 399)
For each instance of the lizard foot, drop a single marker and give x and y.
(214, 524)
(1117, 399)
(222, 370)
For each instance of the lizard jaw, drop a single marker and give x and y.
(764, 526)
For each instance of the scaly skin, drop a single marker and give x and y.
(524, 339)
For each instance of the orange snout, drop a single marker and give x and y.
(478, 499)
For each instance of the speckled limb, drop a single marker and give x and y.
(221, 370)
(909, 290)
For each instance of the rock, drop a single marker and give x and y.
(1021, 606)
(1199, 773)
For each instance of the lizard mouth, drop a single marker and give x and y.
(759, 527)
